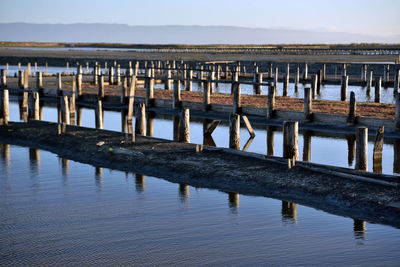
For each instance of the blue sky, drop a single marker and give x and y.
(376, 17)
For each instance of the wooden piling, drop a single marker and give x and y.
(149, 83)
(270, 70)
(111, 76)
(362, 149)
(396, 85)
(72, 102)
(351, 119)
(271, 102)
(236, 98)
(131, 101)
(369, 84)
(343, 88)
(123, 95)
(168, 78)
(20, 79)
(234, 131)
(378, 147)
(99, 114)
(290, 140)
(276, 79)
(378, 87)
(305, 73)
(207, 96)
(257, 85)
(39, 83)
(184, 133)
(6, 110)
(285, 85)
(101, 87)
(33, 106)
(95, 74)
(3, 78)
(324, 73)
(314, 86)
(308, 104)
(297, 79)
(65, 117)
(118, 75)
(59, 83)
(140, 124)
(189, 82)
(176, 103)
(319, 83)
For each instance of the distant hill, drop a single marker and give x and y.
(120, 33)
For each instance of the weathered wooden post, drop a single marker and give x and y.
(319, 83)
(258, 82)
(29, 69)
(343, 88)
(149, 83)
(236, 97)
(65, 117)
(377, 154)
(271, 102)
(212, 79)
(290, 140)
(276, 79)
(189, 82)
(207, 96)
(176, 103)
(369, 84)
(87, 67)
(123, 91)
(344, 73)
(72, 102)
(364, 73)
(271, 72)
(33, 106)
(101, 87)
(396, 84)
(39, 83)
(305, 73)
(140, 124)
(95, 74)
(20, 79)
(168, 78)
(314, 86)
(6, 110)
(136, 72)
(118, 75)
(351, 119)
(307, 104)
(184, 135)
(98, 112)
(111, 76)
(234, 131)
(324, 73)
(3, 78)
(184, 75)
(362, 149)
(297, 79)
(378, 87)
(285, 85)
(131, 100)
(386, 71)
(59, 83)
(67, 67)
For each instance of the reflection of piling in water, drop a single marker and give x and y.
(124, 121)
(307, 146)
(233, 200)
(79, 116)
(140, 182)
(378, 147)
(351, 141)
(289, 210)
(396, 156)
(99, 175)
(65, 167)
(359, 229)
(34, 159)
(184, 192)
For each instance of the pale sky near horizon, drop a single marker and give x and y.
(375, 17)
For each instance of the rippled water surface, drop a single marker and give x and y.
(59, 212)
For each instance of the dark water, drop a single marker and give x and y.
(59, 212)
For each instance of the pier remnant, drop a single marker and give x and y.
(290, 140)
(362, 149)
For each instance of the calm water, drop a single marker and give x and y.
(163, 128)
(59, 212)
